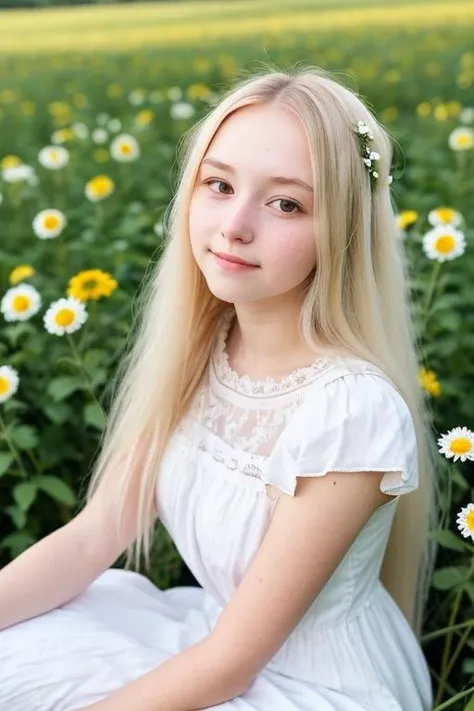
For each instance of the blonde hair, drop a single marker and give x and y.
(357, 301)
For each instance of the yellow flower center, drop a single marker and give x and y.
(51, 222)
(464, 140)
(53, 154)
(21, 303)
(445, 244)
(470, 520)
(90, 284)
(4, 385)
(460, 445)
(101, 185)
(126, 148)
(65, 317)
(10, 162)
(445, 214)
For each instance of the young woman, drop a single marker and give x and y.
(268, 414)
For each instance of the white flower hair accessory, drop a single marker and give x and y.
(370, 157)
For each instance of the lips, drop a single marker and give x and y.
(234, 260)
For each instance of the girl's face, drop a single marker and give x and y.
(253, 199)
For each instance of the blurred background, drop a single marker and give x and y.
(94, 98)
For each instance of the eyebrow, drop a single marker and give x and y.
(274, 179)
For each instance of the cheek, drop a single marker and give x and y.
(294, 251)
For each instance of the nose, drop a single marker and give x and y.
(238, 227)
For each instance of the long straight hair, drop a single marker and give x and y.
(357, 301)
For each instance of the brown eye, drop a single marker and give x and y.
(221, 182)
(287, 205)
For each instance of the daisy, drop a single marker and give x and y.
(8, 382)
(53, 157)
(99, 188)
(457, 443)
(23, 271)
(80, 129)
(406, 218)
(444, 216)
(65, 316)
(136, 97)
(181, 110)
(125, 148)
(62, 135)
(49, 224)
(465, 521)
(10, 161)
(19, 173)
(20, 303)
(158, 228)
(99, 135)
(144, 117)
(91, 284)
(114, 125)
(467, 115)
(443, 243)
(461, 139)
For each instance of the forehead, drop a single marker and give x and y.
(263, 136)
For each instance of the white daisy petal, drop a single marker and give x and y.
(444, 243)
(457, 443)
(125, 148)
(9, 381)
(444, 216)
(49, 224)
(65, 316)
(20, 303)
(465, 521)
(461, 139)
(53, 157)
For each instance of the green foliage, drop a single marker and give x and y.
(417, 82)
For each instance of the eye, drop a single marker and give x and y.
(212, 181)
(286, 206)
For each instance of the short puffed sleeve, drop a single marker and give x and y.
(356, 422)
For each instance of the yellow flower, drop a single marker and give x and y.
(91, 284)
(20, 273)
(144, 117)
(406, 218)
(10, 162)
(429, 382)
(444, 216)
(198, 91)
(423, 109)
(99, 187)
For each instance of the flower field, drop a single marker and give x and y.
(93, 102)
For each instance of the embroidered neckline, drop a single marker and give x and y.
(257, 388)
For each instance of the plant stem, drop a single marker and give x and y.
(80, 365)
(12, 448)
(458, 697)
(449, 636)
(439, 633)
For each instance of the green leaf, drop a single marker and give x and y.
(17, 516)
(57, 489)
(470, 704)
(5, 460)
(58, 412)
(93, 358)
(447, 578)
(60, 388)
(25, 437)
(24, 494)
(17, 542)
(94, 416)
(448, 539)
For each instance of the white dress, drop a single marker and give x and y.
(352, 651)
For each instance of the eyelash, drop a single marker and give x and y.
(297, 205)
